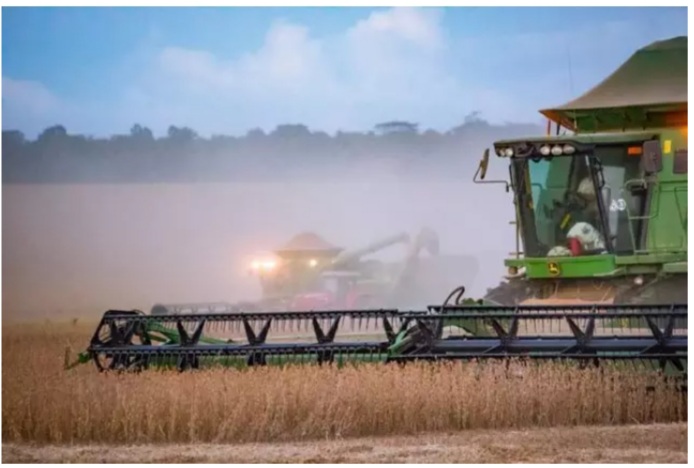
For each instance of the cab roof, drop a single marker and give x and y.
(651, 86)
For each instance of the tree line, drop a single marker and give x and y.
(288, 150)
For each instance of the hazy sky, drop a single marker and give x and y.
(227, 70)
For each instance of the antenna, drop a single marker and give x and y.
(571, 76)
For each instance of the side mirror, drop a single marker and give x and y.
(652, 156)
(482, 173)
(483, 164)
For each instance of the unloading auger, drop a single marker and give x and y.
(647, 336)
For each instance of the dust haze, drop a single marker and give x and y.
(80, 249)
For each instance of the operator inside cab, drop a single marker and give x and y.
(579, 223)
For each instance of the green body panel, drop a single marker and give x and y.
(568, 267)
(603, 265)
(651, 258)
(667, 226)
(675, 267)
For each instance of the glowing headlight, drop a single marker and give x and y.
(508, 152)
(313, 263)
(556, 150)
(568, 149)
(264, 265)
(544, 150)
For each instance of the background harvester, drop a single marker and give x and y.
(309, 273)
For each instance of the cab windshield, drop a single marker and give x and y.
(582, 204)
(558, 207)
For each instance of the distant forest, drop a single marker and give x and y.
(289, 151)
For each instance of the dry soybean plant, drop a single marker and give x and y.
(43, 403)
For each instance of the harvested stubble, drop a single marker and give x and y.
(43, 403)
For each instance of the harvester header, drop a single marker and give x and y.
(645, 336)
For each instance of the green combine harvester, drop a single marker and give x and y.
(601, 207)
(601, 218)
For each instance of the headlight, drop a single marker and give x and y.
(313, 263)
(556, 150)
(508, 152)
(568, 149)
(544, 150)
(263, 265)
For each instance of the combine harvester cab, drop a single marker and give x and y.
(601, 218)
(601, 205)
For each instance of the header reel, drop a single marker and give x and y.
(648, 336)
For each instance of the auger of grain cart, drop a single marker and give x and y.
(599, 275)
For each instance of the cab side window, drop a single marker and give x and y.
(619, 170)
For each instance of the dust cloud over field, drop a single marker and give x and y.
(77, 249)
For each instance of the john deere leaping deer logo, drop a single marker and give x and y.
(553, 268)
